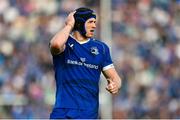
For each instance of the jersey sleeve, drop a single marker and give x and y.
(107, 62)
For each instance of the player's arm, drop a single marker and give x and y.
(57, 43)
(113, 79)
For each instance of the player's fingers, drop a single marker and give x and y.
(114, 92)
(108, 90)
(109, 80)
(72, 13)
(114, 89)
(110, 86)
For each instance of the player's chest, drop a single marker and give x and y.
(80, 54)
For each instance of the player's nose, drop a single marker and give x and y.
(93, 25)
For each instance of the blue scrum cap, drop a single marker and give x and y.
(81, 16)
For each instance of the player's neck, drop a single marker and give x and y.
(79, 37)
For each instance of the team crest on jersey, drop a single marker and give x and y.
(94, 51)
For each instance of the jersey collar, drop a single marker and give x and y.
(83, 42)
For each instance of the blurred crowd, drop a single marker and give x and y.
(145, 47)
(147, 55)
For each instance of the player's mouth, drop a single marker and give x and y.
(92, 31)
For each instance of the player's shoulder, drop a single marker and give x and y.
(99, 42)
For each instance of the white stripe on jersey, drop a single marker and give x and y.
(108, 67)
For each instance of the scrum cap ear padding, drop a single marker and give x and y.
(81, 16)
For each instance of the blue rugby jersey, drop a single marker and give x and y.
(77, 74)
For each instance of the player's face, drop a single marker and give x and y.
(90, 26)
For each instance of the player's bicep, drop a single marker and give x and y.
(55, 50)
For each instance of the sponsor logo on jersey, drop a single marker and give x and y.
(75, 62)
(83, 59)
(71, 45)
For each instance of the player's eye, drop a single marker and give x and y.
(92, 21)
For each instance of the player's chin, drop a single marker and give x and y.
(89, 35)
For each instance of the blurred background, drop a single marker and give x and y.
(144, 37)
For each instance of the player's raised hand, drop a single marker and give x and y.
(70, 19)
(112, 86)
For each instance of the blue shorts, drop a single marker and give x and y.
(70, 113)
